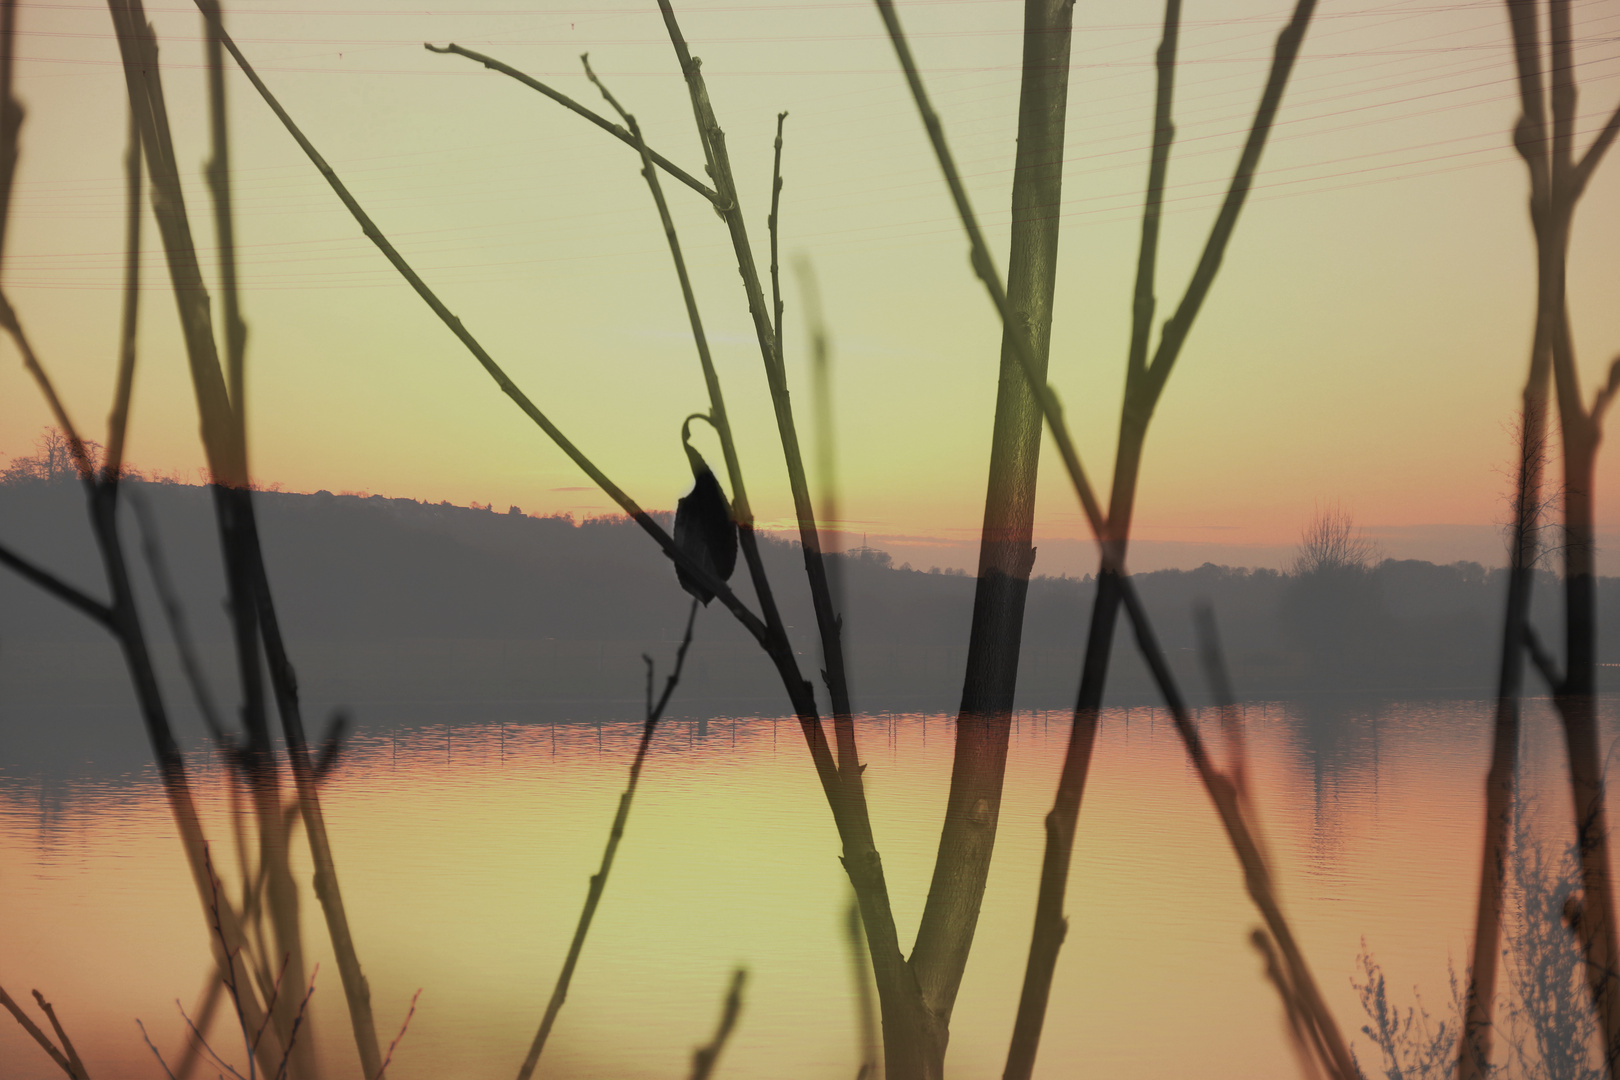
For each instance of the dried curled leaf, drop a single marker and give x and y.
(705, 531)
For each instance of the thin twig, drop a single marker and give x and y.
(1164, 134)
(773, 224)
(704, 1059)
(229, 976)
(269, 1007)
(718, 417)
(598, 883)
(1174, 334)
(298, 1022)
(856, 827)
(403, 1028)
(164, 1065)
(197, 1039)
(118, 418)
(218, 171)
(1594, 153)
(212, 992)
(36, 1034)
(62, 1037)
(283, 680)
(569, 103)
(169, 600)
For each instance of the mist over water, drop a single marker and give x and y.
(464, 850)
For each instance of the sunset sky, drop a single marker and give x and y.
(1364, 346)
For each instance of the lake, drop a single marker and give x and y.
(464, 850)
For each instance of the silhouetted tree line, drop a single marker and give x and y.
(372, 570)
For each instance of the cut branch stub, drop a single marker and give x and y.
(704, 528)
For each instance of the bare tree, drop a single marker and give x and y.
(1332, 544)
(1545, 138)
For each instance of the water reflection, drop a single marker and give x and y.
(464, 851)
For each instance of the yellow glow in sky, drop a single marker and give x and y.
(1364, 344)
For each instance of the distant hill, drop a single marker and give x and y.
(410, 611)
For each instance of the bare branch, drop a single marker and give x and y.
(703, 1060)
(164, 1065)
(598, 884)
(827, 623)
(1176, 329)
(37, 1035)
(749, 620)
(984, 266)
(118, 419)
(76, 447)
(1164, 134)
(57, 587)
(1256, 873)
(169, 600)
(138, 48)
(219, 187)
(773, 224)
(1594, 153)
(403, 1028)
(1245, 843)
(78, 1069)
(569, 103)
(1543, 660)
(298, 1022)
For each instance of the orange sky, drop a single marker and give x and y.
(1364, 344)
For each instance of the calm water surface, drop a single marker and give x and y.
(464, 852)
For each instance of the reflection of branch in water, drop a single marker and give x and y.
(593, 896)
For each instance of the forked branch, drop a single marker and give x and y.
(575, 107)
(1221, 791)
(66, 1058)
(749, 620)
(719, 418)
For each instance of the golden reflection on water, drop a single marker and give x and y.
(464, 854)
